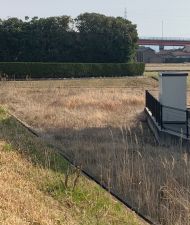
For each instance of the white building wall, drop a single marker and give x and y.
(173, 93)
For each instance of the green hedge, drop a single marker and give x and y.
(68, 70)
(177, 60)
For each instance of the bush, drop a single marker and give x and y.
(68, 70)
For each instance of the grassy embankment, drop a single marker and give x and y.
(33, 188)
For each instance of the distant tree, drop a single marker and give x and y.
(106, 39)
(27, 18)
(35, 18)
(44, 39)
(10, 39)
(94, 38)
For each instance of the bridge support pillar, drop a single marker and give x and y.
(161, 47)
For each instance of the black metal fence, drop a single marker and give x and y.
(168, 118)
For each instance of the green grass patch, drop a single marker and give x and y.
(7, 147)
(151, 74)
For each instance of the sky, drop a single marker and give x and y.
(153, 18)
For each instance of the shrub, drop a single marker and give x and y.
(68, 70)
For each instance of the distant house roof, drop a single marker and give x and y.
(186, 48)
(165, 52)
(180, 53)
(158, 55)
(143, 48)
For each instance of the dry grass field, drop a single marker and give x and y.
(102, 125)
(167, 67)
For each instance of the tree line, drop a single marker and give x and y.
(89, 38)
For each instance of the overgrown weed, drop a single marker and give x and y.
(105, 129)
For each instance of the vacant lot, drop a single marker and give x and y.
(100, 122)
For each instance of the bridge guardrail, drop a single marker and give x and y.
(165, 38)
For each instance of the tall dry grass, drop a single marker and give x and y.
(105, 129)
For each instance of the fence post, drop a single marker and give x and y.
(187, 118)
(161, 115)
(146, 97)
(156, 108)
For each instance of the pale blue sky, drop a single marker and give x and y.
(147, 14)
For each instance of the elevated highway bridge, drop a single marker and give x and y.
(164, 41)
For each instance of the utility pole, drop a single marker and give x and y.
(161, 47)
(125, 14)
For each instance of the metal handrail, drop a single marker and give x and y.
(156, 108)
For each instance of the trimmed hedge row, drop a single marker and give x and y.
(68, 70)
(177, 60)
